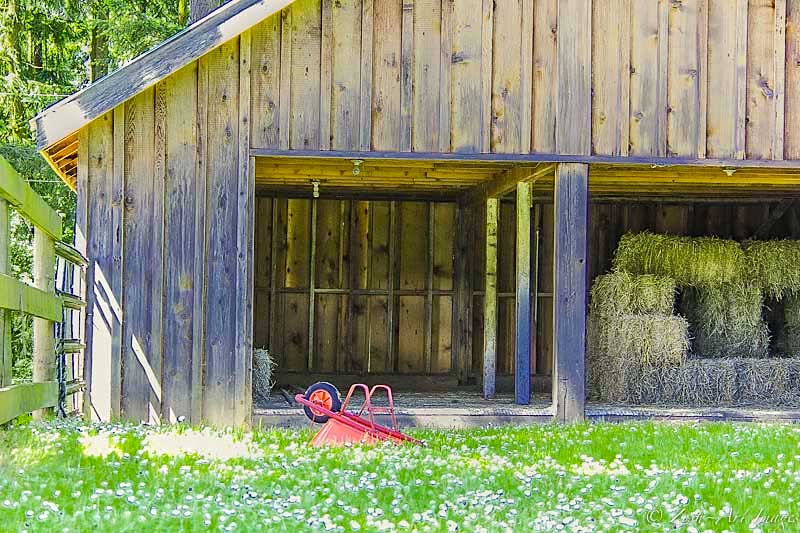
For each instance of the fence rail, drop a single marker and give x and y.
(51, 309)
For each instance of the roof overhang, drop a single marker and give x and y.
(60, 121)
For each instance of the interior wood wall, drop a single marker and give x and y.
(694, 78)
(368, 288)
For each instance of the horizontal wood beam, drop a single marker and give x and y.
(25, 398)
(527, 159)
(70, 253)
(508, 180)
(25, 200)
(18, 296)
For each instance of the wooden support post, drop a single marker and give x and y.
(462, 282)
(569, 304)
(5, 316)
(44, 355)
(312, 281)
(522, 372)
(490, 300)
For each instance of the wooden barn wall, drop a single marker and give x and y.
(166, 190)
(692, 78)
(355, 286)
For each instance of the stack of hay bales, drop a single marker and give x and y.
(631, 330)
(719, 301)
(774, 266)
(639, 352)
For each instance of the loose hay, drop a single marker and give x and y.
(691, 262)
(701, 382)
(621, 293)
(263, 366)
(774, 266)
(726, 320)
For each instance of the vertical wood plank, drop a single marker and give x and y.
(426, 69)
(462, 280)
(506, 126)
(792, 81)
(387, 75)
(264, 268)
(158, 254)
(406, 76)
(522, 367)
(82, 220)
(727, 69)
(545, 79)
(649, 74)
(466, 104)
(222, 259)
(139, 377)
(306, 60)
(44, 353)
(445, 60)
(181, 188)
(763, 92)
(487, 25)
(365, 89)
(326, 70)
(266, 84)
(779, 67)
(199, 285)
(526, 77)
(611, 77)
(574, 116)
(245, 194)
(117, 257)
(104, 362)
(345, 98)
(569, 302)
(490, 300)
(285, 102)
(686, 132)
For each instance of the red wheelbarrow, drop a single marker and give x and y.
(323, 405)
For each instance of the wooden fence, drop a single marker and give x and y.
(52, 310)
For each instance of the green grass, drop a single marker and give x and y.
(640, 477)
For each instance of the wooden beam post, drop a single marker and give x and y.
(490, 300)
(462, 282)
(569, 304)
(522, 369)
(5, 316)
(44, 356)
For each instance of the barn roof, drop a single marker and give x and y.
(57, 126)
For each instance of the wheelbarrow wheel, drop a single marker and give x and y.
(325, 395)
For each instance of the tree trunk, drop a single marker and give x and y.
(98, 55)
(201, 8)
(183, 12)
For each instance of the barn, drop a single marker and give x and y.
(417, 192)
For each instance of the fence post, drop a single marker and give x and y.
(44, 358)
(5, 316)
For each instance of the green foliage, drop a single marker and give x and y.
(50, 49)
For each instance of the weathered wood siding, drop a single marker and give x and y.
(693, 78)
(167, 184)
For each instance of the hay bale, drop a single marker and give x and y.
(263, 367)
(726, 320)
(690, 261)
(620, 293)
(768, 381)
(773, 266)
(791, 326)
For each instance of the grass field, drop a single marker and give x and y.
(641, 477)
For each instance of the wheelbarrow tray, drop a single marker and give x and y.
(345, 427)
